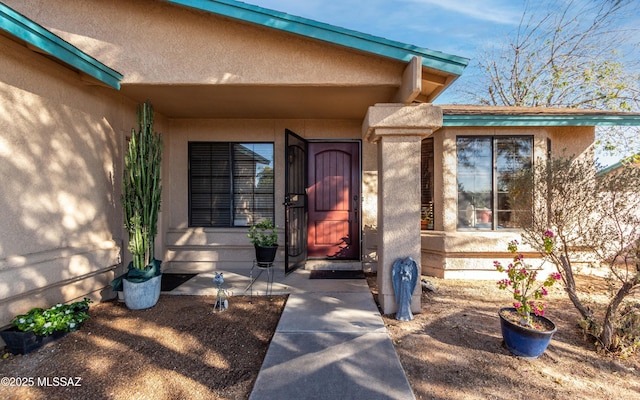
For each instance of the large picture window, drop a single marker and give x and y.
(485, 167)
(230, 184)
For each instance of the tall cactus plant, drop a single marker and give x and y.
(141, 188)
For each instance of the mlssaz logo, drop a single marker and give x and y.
(59, 381)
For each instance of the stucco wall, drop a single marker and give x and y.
(157, 43)
(369, 206)
(451, 253)
(204, 249)
(151, 41)
(61, 149)
(571, 141)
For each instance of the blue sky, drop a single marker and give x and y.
(458, 27)
(451, 26)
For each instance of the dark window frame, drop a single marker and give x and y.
(227, 171)
(495, 201)
(427, 175)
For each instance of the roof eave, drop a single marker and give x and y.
(540, 120)
(44, 41)
(328, 33)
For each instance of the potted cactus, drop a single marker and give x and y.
(141, 193)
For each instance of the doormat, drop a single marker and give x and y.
(172, 281)
(336, 274)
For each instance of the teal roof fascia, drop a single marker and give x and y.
(345, 37)
(610, 168)
(540, 120)
(633, 159)
(42, 39)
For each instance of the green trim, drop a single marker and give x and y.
(633, 159)
(541, 120)
(39, 37)
(345, 37)
(609, 169)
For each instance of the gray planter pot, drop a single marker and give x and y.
(138, 296)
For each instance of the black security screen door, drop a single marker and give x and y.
(295, 202)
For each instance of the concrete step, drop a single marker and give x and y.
(345, 265)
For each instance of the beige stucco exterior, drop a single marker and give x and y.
(212, 79)
(197, 65)
(64, 239)
(61, 159)
(201, 249)
(448, 252)
(398, 131)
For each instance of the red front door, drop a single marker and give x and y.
(334, 200)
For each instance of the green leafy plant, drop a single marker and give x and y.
(59, 318)
(263, 234)
(528, 292)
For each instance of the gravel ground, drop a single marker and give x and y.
(179, 349)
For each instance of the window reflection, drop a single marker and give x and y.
(230, 184)
(486, 165)
(252, 182)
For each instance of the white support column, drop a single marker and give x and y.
(399, 130)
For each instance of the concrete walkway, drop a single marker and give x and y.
(330, 343)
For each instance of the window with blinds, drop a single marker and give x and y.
(426, 184)
(230, 184)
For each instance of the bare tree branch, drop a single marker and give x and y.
(565, 54)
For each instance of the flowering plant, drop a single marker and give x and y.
(59, 318)
(522, 282)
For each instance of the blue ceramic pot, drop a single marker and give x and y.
(522, 341)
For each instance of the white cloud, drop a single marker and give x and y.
(499, 11)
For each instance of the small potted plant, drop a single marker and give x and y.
(264, 237)
(426, 217)
(525, 329)
(40, 326)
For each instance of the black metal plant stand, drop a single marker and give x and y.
(262, 267)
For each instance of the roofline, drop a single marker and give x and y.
(42, 39)
(448, 63)
(540, 120)
(633, 159)
(609, 168)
